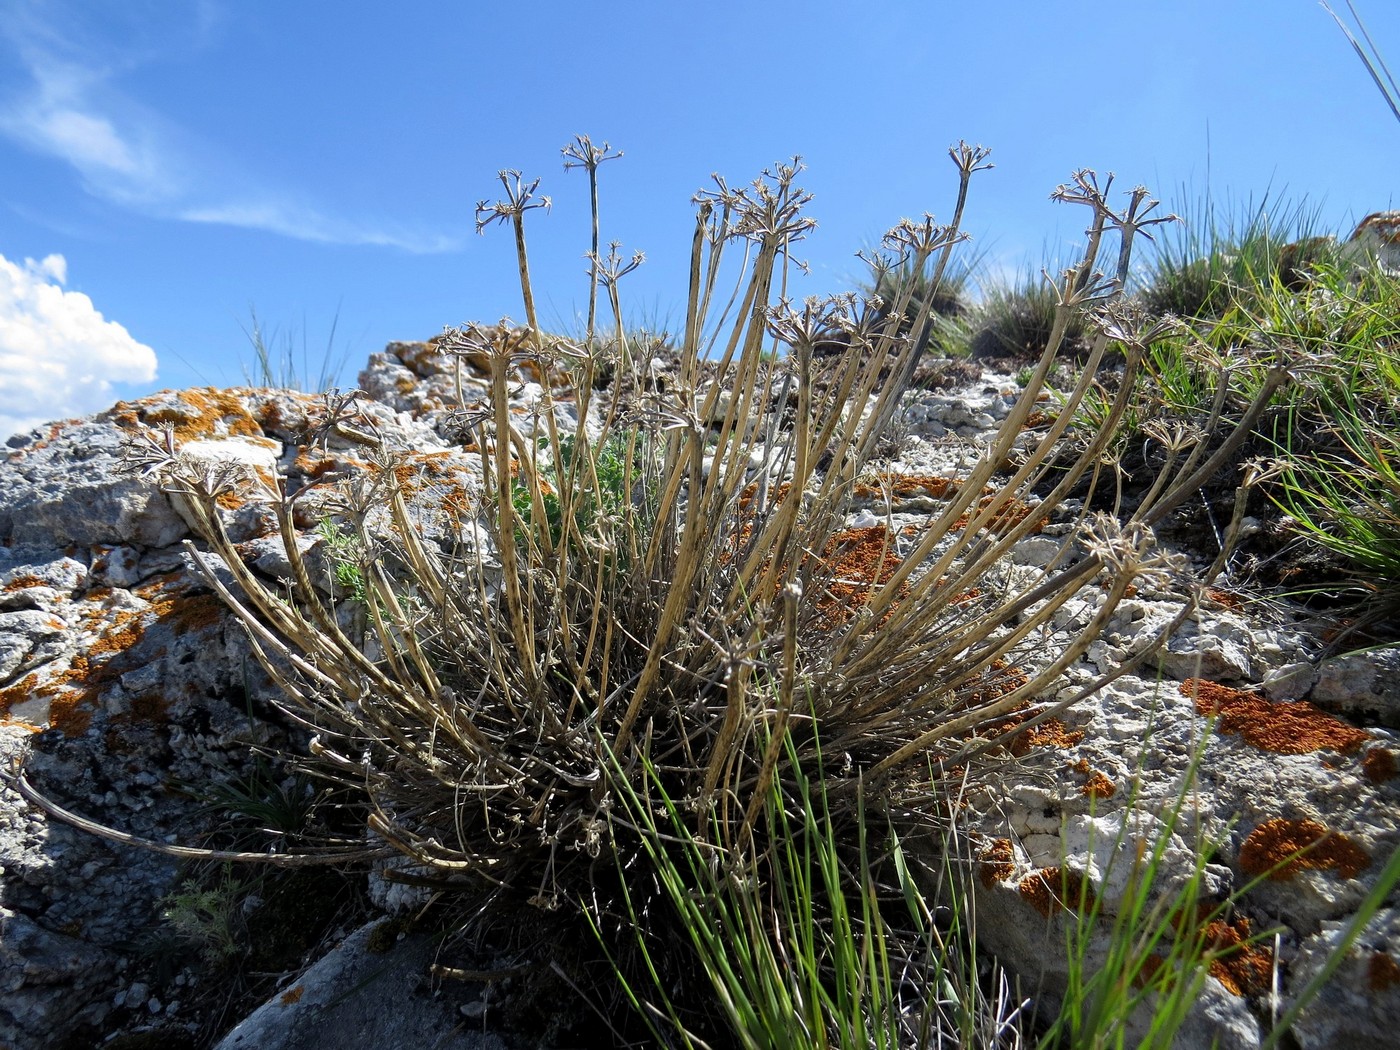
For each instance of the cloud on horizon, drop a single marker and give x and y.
(127, 154)
(59, 357)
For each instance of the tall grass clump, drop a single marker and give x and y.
(1016, 320)
(650, 608)
(1329, 436)
(279, 363)
(1225, 256)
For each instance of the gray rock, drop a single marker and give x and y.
(1360, 1007)
(51, 984)
(65, 490)
(1365, 685)
(1217, 647)
(393, 1004)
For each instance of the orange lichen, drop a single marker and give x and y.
(200, 412)
(1381, 972)
(293, 995)
(1274, 847)
(1286, 728)
(1227, 599)
(1050, 733)
(23, 583)
(1379, 765)
(75, 693)
(907, 486)
(1243, 967)
(997, 864)
(1007, 515)
(1056, 889)
(1096, 784)
(17, 693)
(859, 561)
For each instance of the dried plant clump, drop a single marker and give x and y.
(669, 586)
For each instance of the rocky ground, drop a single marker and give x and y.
(131, 690)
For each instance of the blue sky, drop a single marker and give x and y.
(166, 167)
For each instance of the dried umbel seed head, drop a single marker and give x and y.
(920, 239)
(612, 269)
(822, 320)
(1177, 436)
(1128, 550)
(1130, 325)
(769, 210)
(520, 198)
(581, 153)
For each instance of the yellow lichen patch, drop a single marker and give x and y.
(23, 583)
(1056, 889)
(270, 415)
(75, 693)
(292, 995)
(200, 412)
(997, 862)
(1244, 968)
(1379, 765)
(1381, 972)
(1286, 728)
(17, 693)
(1096, 784)
(72, 698)
(442, 476)
(173, 605)
(1274, 848)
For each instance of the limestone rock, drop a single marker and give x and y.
(1378, 235)
(1360, 1007)
(1361, 685)
(392, 1005)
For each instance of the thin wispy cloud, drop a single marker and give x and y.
(59, 357)
(72, 108)
(306, 224)
(118, 156)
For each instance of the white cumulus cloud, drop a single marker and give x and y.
(59, 357)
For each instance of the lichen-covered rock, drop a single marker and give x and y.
(1360, 1007)
(124, 678)
(1378, 236)
(62, 488)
